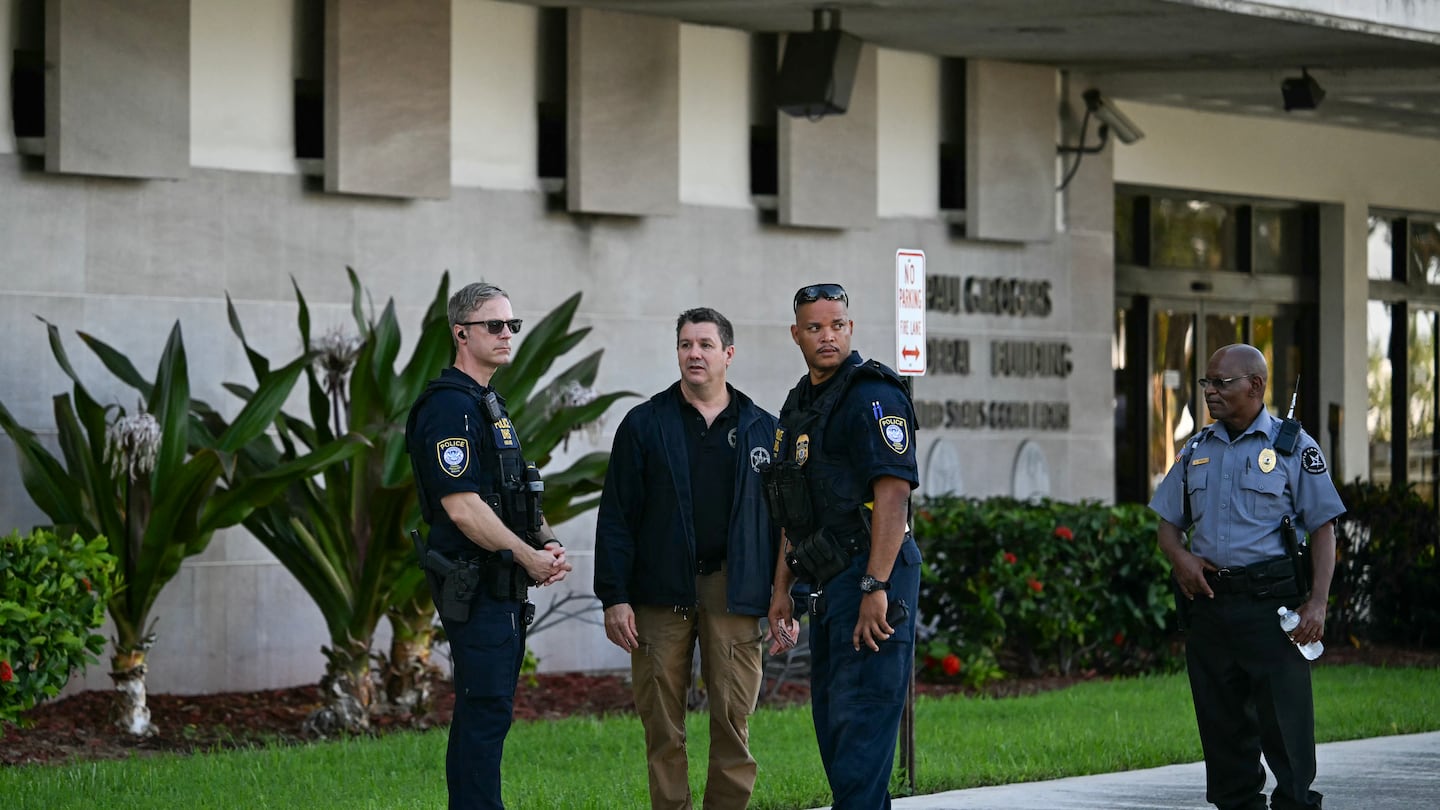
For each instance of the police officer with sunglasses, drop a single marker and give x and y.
(844, 465)
(488, 540)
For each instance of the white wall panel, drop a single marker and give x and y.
(908, 163)
(493, 75)
(714, 116)
(241, 85)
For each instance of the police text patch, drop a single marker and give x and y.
(454, 456)
(897, 436)
(1311, 461)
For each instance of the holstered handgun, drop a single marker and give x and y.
(817, 558)
(1299, 555)
(459, 582)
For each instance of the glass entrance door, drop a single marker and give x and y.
(1162, 347)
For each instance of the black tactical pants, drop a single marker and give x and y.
(1252, 693)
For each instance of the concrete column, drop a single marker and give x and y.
(828, 167)
(1010, 127)
(117, 87)
(387, 97)
(1344, 295)
(622, 114)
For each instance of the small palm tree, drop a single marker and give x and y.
(157, 482)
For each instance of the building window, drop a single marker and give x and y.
(1403, 353)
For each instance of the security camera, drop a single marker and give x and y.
(1111, 117)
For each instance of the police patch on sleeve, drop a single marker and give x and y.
(895, 433)
(454, 455)
(1311, 461)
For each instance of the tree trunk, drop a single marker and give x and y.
(347, 690)
(407, 674)
(129, 712)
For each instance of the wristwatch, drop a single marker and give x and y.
(869, 584)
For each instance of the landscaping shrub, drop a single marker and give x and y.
(52, 595)
(1387, 579)
(1024, 587)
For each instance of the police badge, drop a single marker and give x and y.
(895, 433)
(454, 455)
(802, 448)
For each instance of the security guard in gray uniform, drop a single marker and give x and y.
(1239, 483)
(488, 538)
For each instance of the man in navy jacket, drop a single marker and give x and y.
(685, 550)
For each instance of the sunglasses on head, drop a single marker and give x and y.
(815, 292)
(494, 325)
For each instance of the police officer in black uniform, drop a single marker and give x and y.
(840, 486)
(488, 541)
(1236, 483)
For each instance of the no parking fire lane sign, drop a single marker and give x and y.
(910, 312)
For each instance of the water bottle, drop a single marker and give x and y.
(1289, 620)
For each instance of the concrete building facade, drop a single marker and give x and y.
(632, 151)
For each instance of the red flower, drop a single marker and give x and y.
(6, 674)
(1120, 639)
(1064, 533)
(951, 664)
(1035, 585)
(1011, 558)
(86, 582)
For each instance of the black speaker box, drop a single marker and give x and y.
(817, 73)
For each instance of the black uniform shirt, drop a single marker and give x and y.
(712, 475)
(452, 449)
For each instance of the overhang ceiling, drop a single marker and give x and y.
(1227, 55)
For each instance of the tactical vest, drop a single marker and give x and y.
(497, 448)
(836, 491)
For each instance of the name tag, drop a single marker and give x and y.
(1197, 462)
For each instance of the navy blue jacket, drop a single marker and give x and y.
(645, 535)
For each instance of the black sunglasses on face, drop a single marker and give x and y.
(494, 326)
(814, 292)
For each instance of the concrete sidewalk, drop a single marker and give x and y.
(1383, 773)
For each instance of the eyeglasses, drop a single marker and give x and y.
(495, 325)
(1219, 383)
(814, 292)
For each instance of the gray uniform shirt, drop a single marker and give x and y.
(1239, 491)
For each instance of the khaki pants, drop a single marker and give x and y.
(730, 665)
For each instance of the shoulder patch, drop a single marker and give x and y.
(895, 432)
(1312, 461)
(759, 458)
(453, 455)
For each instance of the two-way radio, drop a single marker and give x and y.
(1289, 436)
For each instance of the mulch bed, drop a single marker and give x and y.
(78, 728)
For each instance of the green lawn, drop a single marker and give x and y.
(589, 763)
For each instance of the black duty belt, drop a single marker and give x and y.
(1274, 577)
(707, 567)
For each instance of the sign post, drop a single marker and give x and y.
(910, 361)
(910, 355)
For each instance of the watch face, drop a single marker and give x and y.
(869, 584)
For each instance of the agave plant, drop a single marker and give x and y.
(344, 534)
(157, 482)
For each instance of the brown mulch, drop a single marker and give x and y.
(77, 727)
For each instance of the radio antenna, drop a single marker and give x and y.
(1291, 413)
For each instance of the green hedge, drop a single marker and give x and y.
(52, 595)
(1017, 587)
(1387, 577)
